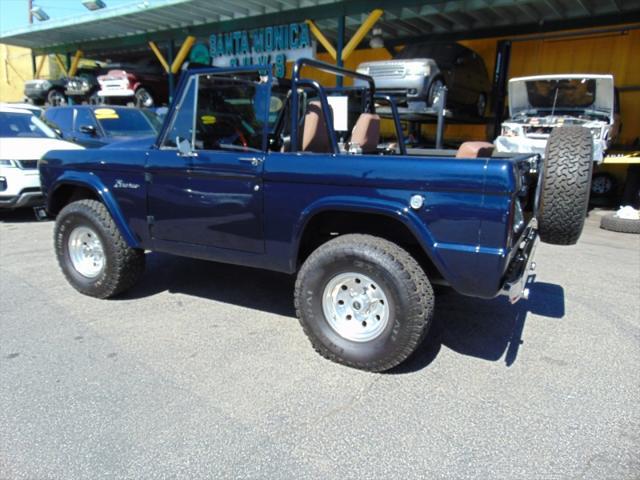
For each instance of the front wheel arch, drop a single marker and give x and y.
(62, 193)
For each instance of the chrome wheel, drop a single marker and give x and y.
(56, 98)
(355, 307)
(86, 252)
(143, 98)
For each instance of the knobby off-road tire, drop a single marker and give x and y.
(622, 225)
(350, 269)
(566, 183)
(84, 234)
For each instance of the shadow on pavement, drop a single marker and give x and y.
(247, 287)
(487, 329)
(19, 215)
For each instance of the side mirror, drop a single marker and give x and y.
(88, 129)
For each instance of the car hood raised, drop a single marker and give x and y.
(32, 148)
(519, 101)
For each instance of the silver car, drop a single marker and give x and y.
(416, 74)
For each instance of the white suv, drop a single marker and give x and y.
(24, 139)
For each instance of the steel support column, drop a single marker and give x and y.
(339, 48)
(499, 90)
(171, 78)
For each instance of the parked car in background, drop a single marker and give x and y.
(541, 103)
(36, 110)
(84, 87)
(144, 84)
(46, 91)
(56, 92)
(416, 74)
(24, 139)
(95, 126)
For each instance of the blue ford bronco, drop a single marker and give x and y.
(279, 175)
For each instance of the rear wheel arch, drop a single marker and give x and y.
(328, 224)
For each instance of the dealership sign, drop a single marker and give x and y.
(274, 46)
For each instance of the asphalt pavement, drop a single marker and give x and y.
(202, 371)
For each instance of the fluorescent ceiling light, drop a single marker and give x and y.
(39, 13)
(94, 4)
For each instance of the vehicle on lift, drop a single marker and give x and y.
(142, 83)
(84, 87)
(55, 92)
(418, 72)
(248, 170)
(96, 126)
(42, 91)
(23, 140)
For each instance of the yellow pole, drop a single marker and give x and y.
(182, 54)
(74, 64)
(40, 66)
(60, 64)
(361, 33)
(322, 39)
(159, 55)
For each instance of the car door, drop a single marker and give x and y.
(210, 193)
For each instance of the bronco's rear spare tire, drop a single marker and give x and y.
(566, 182)
(363, 302)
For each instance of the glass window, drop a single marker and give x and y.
(182, 123)
(23, 125)
(84, 117)
(231, 113)
(124, 122)
(61, 117)
(563, 93)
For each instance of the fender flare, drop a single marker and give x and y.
(391, 210)
(93, 183)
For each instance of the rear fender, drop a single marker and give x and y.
(392, 210)
(92, 182)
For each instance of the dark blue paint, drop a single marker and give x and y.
(220, 206)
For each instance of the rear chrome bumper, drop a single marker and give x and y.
(120, 92)
(522, 266)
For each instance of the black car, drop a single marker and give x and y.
(94, 126)
(55, 92)
(416, 74)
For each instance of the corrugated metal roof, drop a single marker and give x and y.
(135, 25)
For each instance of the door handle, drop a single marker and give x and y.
(255, 161)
